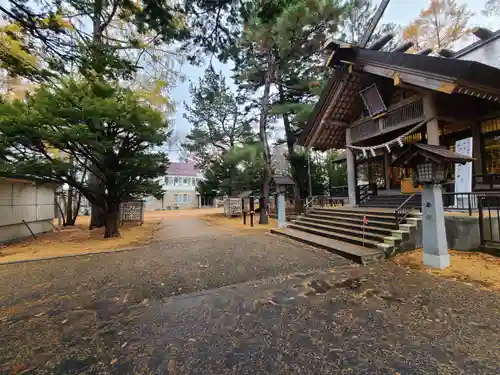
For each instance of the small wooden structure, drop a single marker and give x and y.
(247, 205)
(232, 206)
(132, 210)
(429, 162)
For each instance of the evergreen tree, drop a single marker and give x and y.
(217, 123)
(281, 48)
(101, 127)
(357, 19)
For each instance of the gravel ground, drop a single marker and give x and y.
(204, 301)
(50, 309)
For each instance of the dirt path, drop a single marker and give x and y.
(207, 300)
(65, 316)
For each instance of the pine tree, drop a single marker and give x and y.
(357, 18)
(281, 48)
(100, 127)
(217, 123)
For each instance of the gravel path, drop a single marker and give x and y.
(50, 308)
(205, 301)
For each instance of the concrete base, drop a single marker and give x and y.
(281, 225)
(436, 261)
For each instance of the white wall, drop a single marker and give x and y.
(24, 201)
(488, 54)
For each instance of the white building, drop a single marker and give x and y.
(486, 50)
(179, 188)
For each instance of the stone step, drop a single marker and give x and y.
(359, 233)
(391, 201)
(359, 254)
(372, 221)
(353, 238)
(357, 212)
(346, 224)
(379, 205)
(386, 216)
(394, 197)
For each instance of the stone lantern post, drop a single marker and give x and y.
(281, 183)
(430, 164)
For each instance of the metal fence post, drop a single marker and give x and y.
(480, 209)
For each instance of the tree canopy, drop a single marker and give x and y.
(100, 127)
(439, 25)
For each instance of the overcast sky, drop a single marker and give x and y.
(400, 12)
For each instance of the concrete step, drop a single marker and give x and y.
(346, 227)
(372, 221)
(379, 205)
(394, 197)
(352, 238)
(358, 215)
(359, 254)
(398, 203)
(349, 211)
(354, 232)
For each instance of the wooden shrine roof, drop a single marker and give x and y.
(340, 103)
(439, 154)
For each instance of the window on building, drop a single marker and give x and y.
(176, 181)
(193, 181)
(185, 181)
(491, 154)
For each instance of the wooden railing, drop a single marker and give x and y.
(364, 129)
(323, 201)
(292, 208)
(404, 113)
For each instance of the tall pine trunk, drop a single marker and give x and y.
(112, 218)
(264, 219)
(98, 215)
(290, 142)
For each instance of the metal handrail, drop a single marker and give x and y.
(310, 200)
(402, 211)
